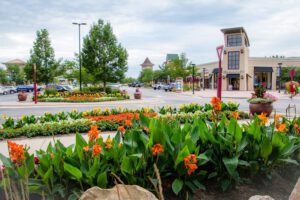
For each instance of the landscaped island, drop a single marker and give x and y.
(155, 152)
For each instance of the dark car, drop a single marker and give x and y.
(27, 88)
(139, 85)
(59, 88)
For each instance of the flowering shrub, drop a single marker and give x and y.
(186, 157)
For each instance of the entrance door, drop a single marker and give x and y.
(263, 78)
(234, 83)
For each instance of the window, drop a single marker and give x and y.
(234, 40)
(233, 60)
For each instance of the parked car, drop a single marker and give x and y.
(59, 88)
(169, 87)
(11, 89)
(158, 86)
(114, 86)
(131, 84)
(139, 84)
(27, 88)
(3, 90)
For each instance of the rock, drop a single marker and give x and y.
(295, 195)
(118, 192)
(258, 197)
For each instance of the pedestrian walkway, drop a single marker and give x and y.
(236, 94)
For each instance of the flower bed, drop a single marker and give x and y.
(152, 152)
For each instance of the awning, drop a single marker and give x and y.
(233, 75)
(215, 70)
(263, 69)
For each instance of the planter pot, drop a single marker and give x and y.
(137, 94)
(22, 96)
(258, 108)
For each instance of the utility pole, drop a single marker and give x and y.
(193, 78)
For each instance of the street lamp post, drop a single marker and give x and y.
(193, 78)
(203, 78)
(279, 76)
(219, 87)
(80, 75)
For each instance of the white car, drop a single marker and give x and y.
(158, 86)
(115, 86)
(3, 90)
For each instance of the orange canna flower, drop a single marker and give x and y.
(263, 117)
(216, 103)
(281, 128)
(96, 149)
(190, 163)
(128, 123)
(86, 148)
(16, 152)
(276, 118)
(52, 156)
(235, 115)
(157, 149)
(120, 145)
(121, 129)
(93, 133)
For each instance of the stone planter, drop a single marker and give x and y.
(22, 96)
(137, 94)
(258, 108)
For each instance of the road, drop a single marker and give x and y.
(151, 98)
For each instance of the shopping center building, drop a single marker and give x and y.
(239, 70)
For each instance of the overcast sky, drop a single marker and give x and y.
(152, 28)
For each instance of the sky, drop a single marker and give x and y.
(152, 28)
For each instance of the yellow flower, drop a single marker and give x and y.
(85, 113)
(229, 102)
(181, 106)
(74, 110)
(47, 113)
(263, 117)
(22, 117)
(96, 110)
(106, 109)
(146, 109)
(4, 116)
(120, 107)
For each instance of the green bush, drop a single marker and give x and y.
(50, 91)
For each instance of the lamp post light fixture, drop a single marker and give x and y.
(80, 75)
(193, 78)
(203, 78)
(279, 76)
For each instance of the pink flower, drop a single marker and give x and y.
(270, 96)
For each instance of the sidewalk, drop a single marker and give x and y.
(208, 93)
(18, 104)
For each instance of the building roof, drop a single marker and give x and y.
(171, 56)
(15, 61)
(237, 30)
(147, 63)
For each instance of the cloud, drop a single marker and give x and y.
(152, 28)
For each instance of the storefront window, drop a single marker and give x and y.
(234, 40)
(263, 78)
(233, 60)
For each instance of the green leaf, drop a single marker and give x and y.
(177, 186)
(145, 121)
(266, 149)
(94, 169)
(48, 174)
(6, 161)
(181, 155)
(102, 180)
(231, 165)
(74, 171)
(126, 166)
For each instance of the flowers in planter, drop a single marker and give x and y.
(260, 96)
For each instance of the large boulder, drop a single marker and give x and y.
(118, 192)
(295, 195)
(258, 197)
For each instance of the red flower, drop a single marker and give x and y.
(157, 149)
(121, 129)
(128, 123)
(190, 163)
(36, 160)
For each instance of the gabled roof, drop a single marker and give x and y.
(147, 63)
(171, 57)
(237, 30)
(15, 61)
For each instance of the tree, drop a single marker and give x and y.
(3, 76)
(102, 56)
(43, 56)
(16, 74)
(146, 75)
(128, 80)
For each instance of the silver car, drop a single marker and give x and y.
(3, 90)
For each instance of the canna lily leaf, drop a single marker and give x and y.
(181, 155)
(231, 165)
(74, 171)
(266, 149)
(177, 186)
